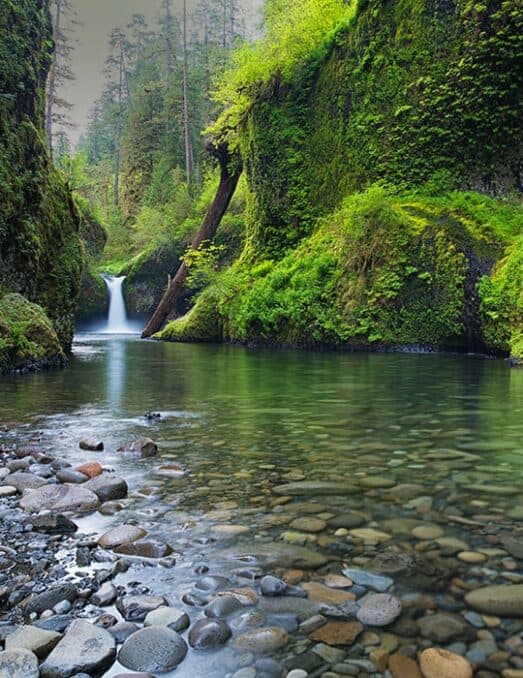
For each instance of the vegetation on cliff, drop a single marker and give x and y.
(366, 97)
(40, 254)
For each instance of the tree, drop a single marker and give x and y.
(118, 89)
(186, 121)
(230, 172)
(170, 36)
(60, 71)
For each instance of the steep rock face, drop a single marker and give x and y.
(40, 255)
(422, 96)
(93, 300)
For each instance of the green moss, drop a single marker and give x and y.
(502, 302)
(40, 253)
(382, 271)
(27, 336)
(201, 323)
(93, 302)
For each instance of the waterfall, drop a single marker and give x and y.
(117, 322)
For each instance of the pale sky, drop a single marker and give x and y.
(97, 18)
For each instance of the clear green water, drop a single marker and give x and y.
(243, 421)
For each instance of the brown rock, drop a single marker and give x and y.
(403, 667)
(319, 593)
(337, 633)
(91, 469)
(144, 447)
(438, 663)
(123, 534)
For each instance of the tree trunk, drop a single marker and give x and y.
(51, 79)
(186, 121)
(118, 135)
(230, 174)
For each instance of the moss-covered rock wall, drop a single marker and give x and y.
(40, 254)
(420, 97)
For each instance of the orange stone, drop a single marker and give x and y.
(91, 469)
(319, 593)
(337, 633)
(402, 666)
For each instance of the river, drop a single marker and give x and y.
(242, 422)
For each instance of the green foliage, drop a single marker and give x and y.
(502, 301)
(383, 270)
(40, 253)
(27, 336)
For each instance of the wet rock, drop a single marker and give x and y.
(272, 586)
(368, 579)
(58, 623)
(379, 609)
(348, 521)
(32, 638)
(123, 534)
(337, 633)
(18, 664)
(144, 447)
(69, 475)
(172, 470)
(301, 607)
(211, 583)
(276, 554)
(53, 523)
(403, 667)
(145, 548)
(262, 640)
(122, 630)
(25, 481)
(514, 545)
(91, 469)
(370, 534)
(105, 595)
(439, 663)
(443, 628)
(40, 602)
(68, 498)
(176, 620)
(319, 593)
(136, 608)
(84, 648)
(307, 524)
(107, 487)
(152, 416)
(427, 532)
(7, 491)
(222, 607)
(91, 445)
(157, 649)
(208, 634)
(377, 483)
(505, 600)
(307, 487)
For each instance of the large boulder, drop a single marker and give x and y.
(62, 498)
(84, 649)
(157, 649)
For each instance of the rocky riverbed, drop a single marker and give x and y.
(300, 574)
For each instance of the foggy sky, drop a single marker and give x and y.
(97, 18)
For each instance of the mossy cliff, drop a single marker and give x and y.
(40, 254)
(422, 97)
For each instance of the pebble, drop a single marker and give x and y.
(262, 640)
(208, 634)
(337, 632)
(505, 600)
(373, 581)
(123, 534)
(427, 532)
(307, 524)
(379, 609)
(472, 557)
(440, 663)
(370, 534)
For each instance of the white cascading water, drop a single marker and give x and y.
(117, 322)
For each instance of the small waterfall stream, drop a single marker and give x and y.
(117, 322)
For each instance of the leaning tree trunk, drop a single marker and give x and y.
(231, 170)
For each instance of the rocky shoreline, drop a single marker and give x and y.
(335, 597)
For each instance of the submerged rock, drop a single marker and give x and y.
(439, 663)
(262, 640)
(84, 648)
(144, 447)
(379, 609)
(310, 487)
(368, 579)
(276, 554)
(505, 600)
(157, 649)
